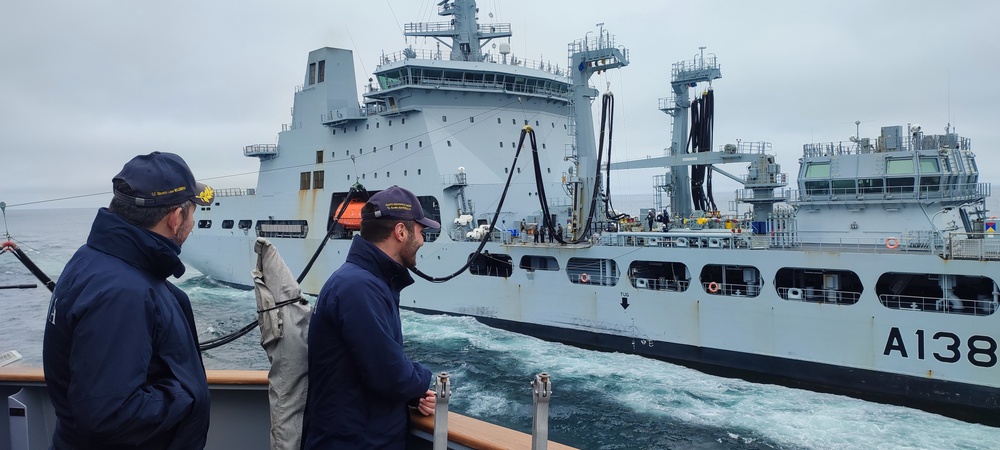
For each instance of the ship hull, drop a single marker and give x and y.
(939, 362)
(968, 402)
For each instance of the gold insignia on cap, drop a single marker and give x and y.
(399, 205)
(206, 194)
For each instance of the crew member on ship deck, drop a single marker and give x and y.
(360, 382)
(120, 350)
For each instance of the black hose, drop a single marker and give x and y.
(26, 261)
(608, 106)
(695, 142)
(527, 130)
(709, 130)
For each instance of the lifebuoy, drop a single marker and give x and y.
(713, 287)
(891, 242)
(584, 278)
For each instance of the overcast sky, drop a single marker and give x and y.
(84, 86)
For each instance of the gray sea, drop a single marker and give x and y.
(600, 400)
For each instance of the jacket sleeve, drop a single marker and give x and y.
(369, 328)
(109, 392)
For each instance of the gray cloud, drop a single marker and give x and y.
(85, 86)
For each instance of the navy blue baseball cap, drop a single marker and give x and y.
(162, 179)
(400, 204)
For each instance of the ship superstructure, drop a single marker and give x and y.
(874, 276)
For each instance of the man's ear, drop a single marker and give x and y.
(400, 231)
(175, 218)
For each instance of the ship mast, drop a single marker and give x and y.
(684, 75)
(467, 37)
(588, 56)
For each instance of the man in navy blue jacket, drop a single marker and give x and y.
(360, 382)
(121, 349)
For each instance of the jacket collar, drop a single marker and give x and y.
(141, 248)
(373, 259)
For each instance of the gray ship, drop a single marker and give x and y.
(872, 277)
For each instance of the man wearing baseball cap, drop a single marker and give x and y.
(360, 382)
(120, 350)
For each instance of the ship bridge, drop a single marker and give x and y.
(464, 66)
(894, 169)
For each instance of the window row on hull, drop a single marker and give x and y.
(943, 293)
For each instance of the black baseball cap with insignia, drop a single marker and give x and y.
(161, 179)
(399, 204)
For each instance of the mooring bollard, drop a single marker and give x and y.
(442, 389)
(541, 392)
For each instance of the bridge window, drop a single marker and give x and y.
(817, 187)
(929, 182)
(844, 187)
(227, 224)
(870, 185)
(204, 224)
(899, 166)
(899, 185)
(818, 170)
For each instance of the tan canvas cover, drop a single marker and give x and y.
(283, 334)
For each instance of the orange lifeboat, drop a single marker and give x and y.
(351, 220)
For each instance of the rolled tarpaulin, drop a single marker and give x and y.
(283, 316)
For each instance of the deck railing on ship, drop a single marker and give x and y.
(240, 416)
(978, 307)
(818, 295)
(433, 55)
(952, 245)
(868, 145)
(947, 191)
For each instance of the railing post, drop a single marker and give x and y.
(541, 392)
(442, 389)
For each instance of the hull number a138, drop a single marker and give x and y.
(943, 346)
